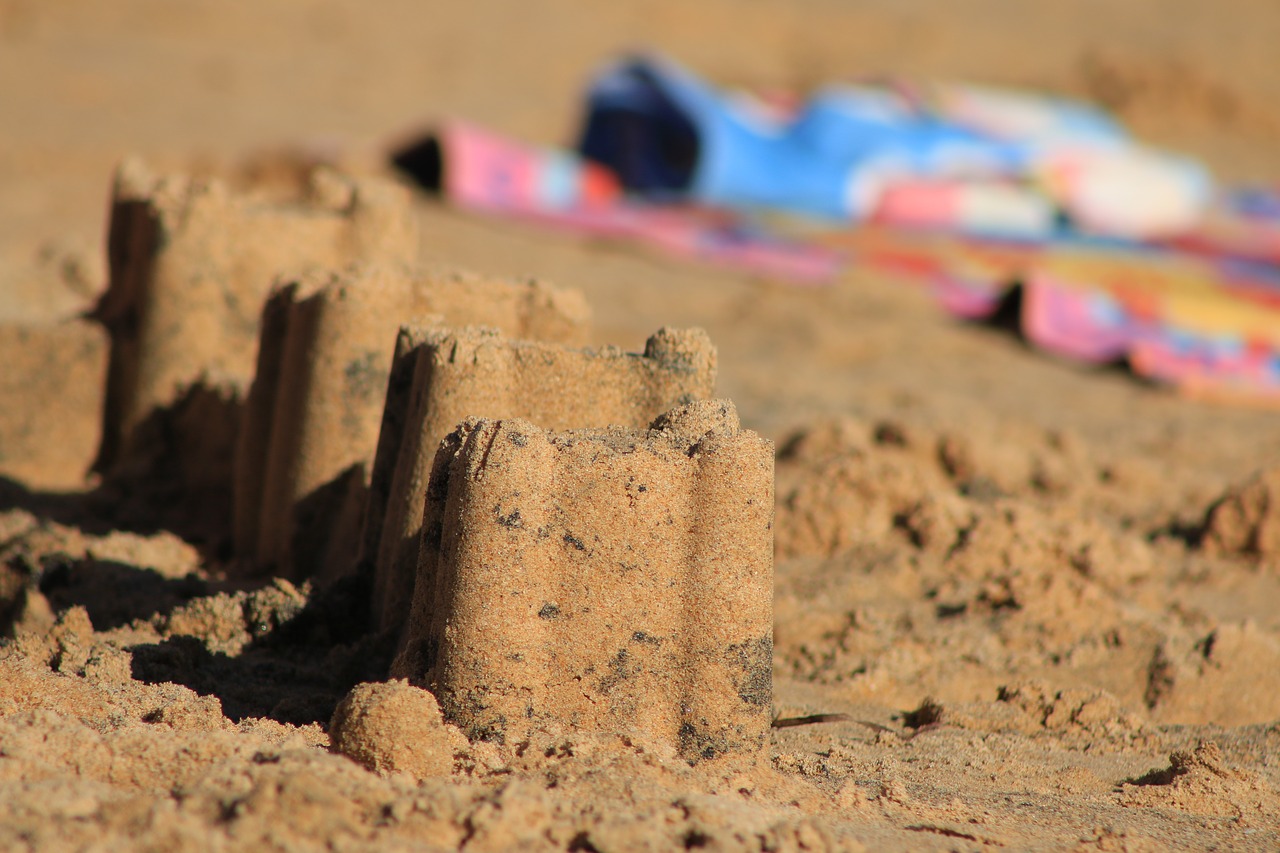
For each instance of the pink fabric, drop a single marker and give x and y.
(1201, 312)
(1080, 324)
(487, 173)
(1206, 324)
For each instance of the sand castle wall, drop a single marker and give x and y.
(443, 376)
(316, 405)
(603, 580)
(50, 446)
(191, 263)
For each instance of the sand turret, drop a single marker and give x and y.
(600, 580)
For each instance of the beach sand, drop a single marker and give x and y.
(1017, 602)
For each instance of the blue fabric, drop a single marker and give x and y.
(671, 137)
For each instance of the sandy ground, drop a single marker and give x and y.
(1018, 581)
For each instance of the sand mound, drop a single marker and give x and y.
(1031, 707)
(1246, 520)
(845, 482)
(395, 728)
(1202, 782)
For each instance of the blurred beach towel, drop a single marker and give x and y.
(944, 155)
(1206, 324)
(1112, 251)
(483, 172)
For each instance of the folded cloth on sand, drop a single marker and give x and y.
(983, 194)
(1243, 223)
(478, 170)
(1208, 325)
(670, 136)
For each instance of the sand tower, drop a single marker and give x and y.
(446, 375)
(191, 263)
(316, 405)
(601, 580)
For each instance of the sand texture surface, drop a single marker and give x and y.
(916, 587)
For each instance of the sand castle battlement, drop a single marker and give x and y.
(600, 580)
(191, 263)
(443, 376)
(316, 405)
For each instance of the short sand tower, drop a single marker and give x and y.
(191, 264)
(62, 363)
(602, 580)
(445, 375)
(311, 425)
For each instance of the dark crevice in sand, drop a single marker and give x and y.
(295, 673)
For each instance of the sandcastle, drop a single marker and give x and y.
(607, 569)
(445, 375)
(191, 264)
(600, 580)
(316, 405)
